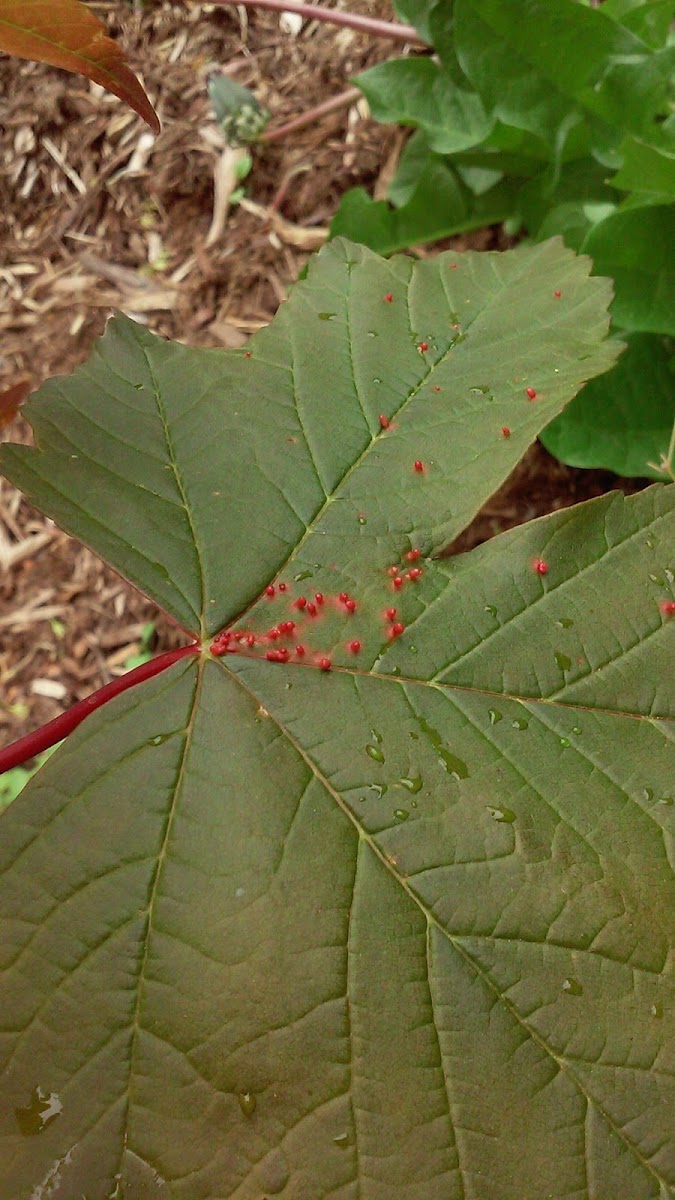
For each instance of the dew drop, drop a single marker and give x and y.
(481, 390)
(42, 1108)
(415, 736)
(413, 649)
(520, 723)
(657, 1011)
(505, 816)
(576, 729)
(247, 1103)
(362, 520)
(494, 715)
(159, 739)
(565, 622)
(667, 800)
(452, 764)
(375, 753)
(572, 986)
(491, 609)
(648, 794)
(412, 783)
(651, 543)
(563, 660)
(380, 789)
(303, 575)
(326, 316)
(658, 579)
(401, 814)
(565, 742)
(342, 1141)
(376, 736)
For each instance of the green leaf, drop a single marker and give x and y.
(559, 62)
(415, 91)
(649, 19)
(439, 205)
(394, 929)
(622, 421)
(637, 248)
(647, 170)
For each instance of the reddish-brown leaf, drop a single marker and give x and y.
(66, 34)
(11, 401)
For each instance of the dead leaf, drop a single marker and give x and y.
(11, 401)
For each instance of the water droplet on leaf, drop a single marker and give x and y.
(494, 715)
(491, 609)
(505, 816)
(401, 814)
(247, 1103)
(520, 723)
(565, 622)
(43, 1108)
(325, 316)
(572, 986)
(375, 753)
(563, 660)
(412, 784)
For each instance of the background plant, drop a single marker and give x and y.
(557, 122)
(387, 916)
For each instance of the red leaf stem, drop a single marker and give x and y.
(54, 731)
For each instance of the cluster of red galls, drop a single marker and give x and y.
(232, 641)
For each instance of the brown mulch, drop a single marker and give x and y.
(97, 215)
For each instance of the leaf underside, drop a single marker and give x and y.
(399, 928)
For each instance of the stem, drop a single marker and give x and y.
(312, 114)
(53, 732)
(395, 31)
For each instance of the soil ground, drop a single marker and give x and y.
(97, 215)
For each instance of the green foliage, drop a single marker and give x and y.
(555, 123)
(394, 929)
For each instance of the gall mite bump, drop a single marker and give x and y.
(423, 347)
(667, 608)
(325, 664)
(415, 573)
(392, 571)
(413, 555)
(319, 597)
(301, 602)
(343, 597)
(396, 629)
(311, 609)
(390, 614)
(273, 634)
(506, 432)
(437, 389)
(453, 266)
(269, 590)
(300, 650)
(247, 354)
(283, 587)
(272, 655)
(530, 393)
(354, 647)
(384, 421)
(389, 298)
(557, 293)
(540, 566)
(397, 581)
(350, 605)
(282, 655)
(250, 640)
(419, 466)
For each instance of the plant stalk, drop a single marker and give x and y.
(54, 731)
(394, 30)
(350, 96)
